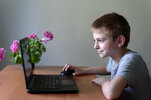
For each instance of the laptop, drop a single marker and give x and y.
(38, 83)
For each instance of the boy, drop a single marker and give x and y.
(130, 79)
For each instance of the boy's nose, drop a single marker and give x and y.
(96, 46)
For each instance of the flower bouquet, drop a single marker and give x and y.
(2, 53)
(36, 48)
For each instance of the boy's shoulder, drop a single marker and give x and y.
(132, 55)
(129, 58)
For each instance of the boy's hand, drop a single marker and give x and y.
(99, 81)
(78, 71)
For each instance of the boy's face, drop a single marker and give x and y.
(104, 43)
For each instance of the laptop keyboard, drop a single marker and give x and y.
(44, 81)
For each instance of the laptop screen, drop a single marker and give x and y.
(26, 60)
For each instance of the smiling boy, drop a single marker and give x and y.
(130, 79)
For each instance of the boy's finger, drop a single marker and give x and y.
(67, 67)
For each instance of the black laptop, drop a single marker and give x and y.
(36, 83)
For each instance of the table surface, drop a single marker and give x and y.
(12, 85)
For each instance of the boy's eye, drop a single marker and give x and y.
(101, 41)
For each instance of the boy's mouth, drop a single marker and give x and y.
(100, 51)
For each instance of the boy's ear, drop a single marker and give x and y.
(121, 40)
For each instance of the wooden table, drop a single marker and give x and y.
(12, 85)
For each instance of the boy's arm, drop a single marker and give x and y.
(96, 70)
(114, 88)
(89, 70)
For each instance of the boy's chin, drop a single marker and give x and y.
(103, 56)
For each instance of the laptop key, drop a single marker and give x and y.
(48, 82)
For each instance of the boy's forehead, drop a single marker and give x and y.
(102, 30)
(100, 35)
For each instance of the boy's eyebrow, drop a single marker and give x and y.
(100, 38)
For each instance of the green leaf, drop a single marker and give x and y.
(36, 50)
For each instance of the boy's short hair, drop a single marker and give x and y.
(116, 25)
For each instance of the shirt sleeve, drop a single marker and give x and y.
(126, 69)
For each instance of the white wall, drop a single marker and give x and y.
(70, 22)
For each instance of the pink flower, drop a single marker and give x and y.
(48, 35)
(2, 53)
(15, 46)
(32, 36)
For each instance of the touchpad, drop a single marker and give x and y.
(67, 82)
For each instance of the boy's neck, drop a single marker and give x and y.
(119, 54)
